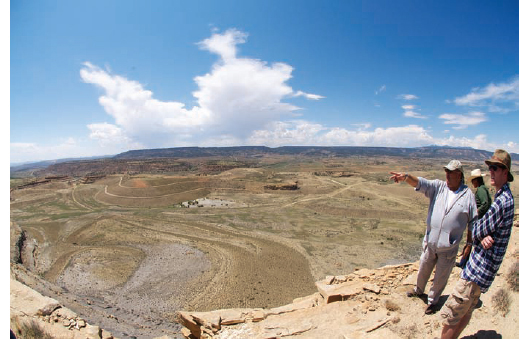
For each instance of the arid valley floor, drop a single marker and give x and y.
(128, 251)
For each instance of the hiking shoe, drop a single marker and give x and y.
(431, 309)
(412, 294)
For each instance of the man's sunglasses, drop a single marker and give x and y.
(495, 167)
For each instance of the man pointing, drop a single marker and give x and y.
(452, 206)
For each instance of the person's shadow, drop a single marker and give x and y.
(482, 334)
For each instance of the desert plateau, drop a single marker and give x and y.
(129, 247)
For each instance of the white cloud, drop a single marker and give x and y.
(380, 90)
(224, 45)
(308, 96)
(463, 121)
(362, 126)
(413, 114)
(407, 97)
(500, 98)
(410, 112)
(21, 152)
(238, 96)
(135, 111)
(108, 134)
(306, 133)
(302, 132)
(478, 142)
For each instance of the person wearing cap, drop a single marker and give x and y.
(490, 235)
(452, 207)
(483, 201)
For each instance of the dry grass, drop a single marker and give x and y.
(392, 306)
(501, 301)
(409, 332)
(512, 277)
(30, 330)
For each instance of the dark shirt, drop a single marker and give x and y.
(483, 200)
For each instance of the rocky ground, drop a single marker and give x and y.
(363, 304)
(368, 304)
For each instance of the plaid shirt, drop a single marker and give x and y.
(497, 222)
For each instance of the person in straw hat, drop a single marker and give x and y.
(452, 207)
(483, 198)
(490, 235)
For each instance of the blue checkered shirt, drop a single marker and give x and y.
(497, 222)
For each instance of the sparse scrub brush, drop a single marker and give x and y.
(501, 301)
(392, 306)
(409, 331)
(31, 330)
(512, 278)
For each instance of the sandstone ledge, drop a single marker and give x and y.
(28, 306)
(363, 304)
(360, 287)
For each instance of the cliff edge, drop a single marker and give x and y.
(368, 304)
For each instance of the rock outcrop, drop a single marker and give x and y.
(363, 304)
(31, 312)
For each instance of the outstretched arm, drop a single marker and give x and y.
(399, 177)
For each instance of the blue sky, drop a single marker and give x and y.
(102, 77)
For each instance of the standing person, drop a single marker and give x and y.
(491, 235)
(483, 198)
(452, 207)
(483, 201)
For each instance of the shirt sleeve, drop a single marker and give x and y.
(428, 187)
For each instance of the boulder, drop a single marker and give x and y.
(340, 292)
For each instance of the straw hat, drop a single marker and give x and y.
(475, 174)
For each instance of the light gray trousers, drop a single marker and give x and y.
(444, 263)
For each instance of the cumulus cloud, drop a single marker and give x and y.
(20, 151)
(478, 142)
(238, 96)
(302, 132)
(462, 121)
(224, 45)
(136, 113)
(500, 98)
(107, 134)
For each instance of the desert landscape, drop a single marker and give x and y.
(127, 251)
